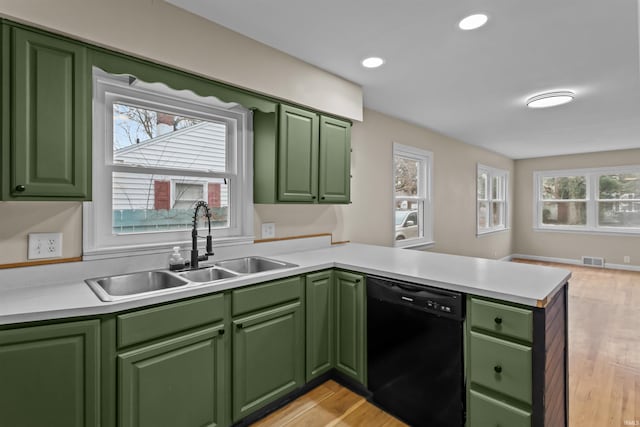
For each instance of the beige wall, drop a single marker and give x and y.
(569, 245)
(159, 31)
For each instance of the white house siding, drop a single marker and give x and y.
(198, 147)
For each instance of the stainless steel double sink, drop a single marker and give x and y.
(114, 288)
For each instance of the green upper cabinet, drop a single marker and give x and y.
(301, 157)
(297, 155)
(50, 375)
(334, 174)
(350, 325)
(320, 323)
(50, 123)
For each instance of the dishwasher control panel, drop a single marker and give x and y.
(421, 297)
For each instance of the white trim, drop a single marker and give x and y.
(572, 261)
(98, 239)
(425, 196)
(491, 173)
(591, 199)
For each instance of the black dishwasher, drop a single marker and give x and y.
(414, 351)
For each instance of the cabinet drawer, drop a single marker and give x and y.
(145, 325)
(485, 411)
(254, 298)
(508, 321)
(501, 365)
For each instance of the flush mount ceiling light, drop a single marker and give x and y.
(472, 22)
(550, 99)
(372, 62)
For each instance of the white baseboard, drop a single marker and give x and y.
(571, 261)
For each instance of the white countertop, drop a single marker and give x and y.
(519, 283)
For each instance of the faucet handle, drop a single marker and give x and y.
(209, 245)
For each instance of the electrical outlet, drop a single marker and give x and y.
(268, 230)
(627, 259)
(45, 245)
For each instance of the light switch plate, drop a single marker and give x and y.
(268, 230)
(45, 245)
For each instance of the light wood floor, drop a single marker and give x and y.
(604, 362)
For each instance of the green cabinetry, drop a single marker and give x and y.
(173, 364)
(516, 363)
(310, 163)
(47, 84)
(50, 375)
(320, 327)
(268, 344)
(350, 318)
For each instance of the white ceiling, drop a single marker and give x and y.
(470, 85)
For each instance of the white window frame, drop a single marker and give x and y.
(424, 197)
(592, 177)
(491, 173)
(98, 239)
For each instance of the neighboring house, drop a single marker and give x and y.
(201, 146)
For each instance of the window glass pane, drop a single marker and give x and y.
(619, 214)
(564, 213)
(482, 186)
(156, 139)
(407, 214)
(483, 214)
(564, 187)
(497, 219)
(620, 186)
(406, 176)
(497, 188)
(145, 202)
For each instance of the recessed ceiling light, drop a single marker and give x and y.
(372, 62)
(472, 22)
(550, 99)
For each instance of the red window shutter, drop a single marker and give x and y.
(213, 193)
(161, 195)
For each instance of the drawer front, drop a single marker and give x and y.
(157, 322)
(508, 321)
(485, 411)
(255, 298)
(501, 365)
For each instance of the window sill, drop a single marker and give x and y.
(600, 231)
(418, 245)
(494, 231)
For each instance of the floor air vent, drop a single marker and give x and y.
(593, 261)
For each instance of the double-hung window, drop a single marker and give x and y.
(492, 203)
(156, 152)
(412, 208)
(590, 200)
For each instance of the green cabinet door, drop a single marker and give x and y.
(176, 382)
(350, 325)
(297, 155)
(268, 357)
(335, 161)
(49, 375)
(320, 336)
(50, 127)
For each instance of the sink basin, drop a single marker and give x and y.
(119, 287)
(207, 274)
(253, 264)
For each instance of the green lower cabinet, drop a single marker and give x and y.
(486, 411)
(268, 357)
(50, 375)
(350, 324)
(176, 382)
(320, 324)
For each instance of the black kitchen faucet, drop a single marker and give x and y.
(194, 236)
